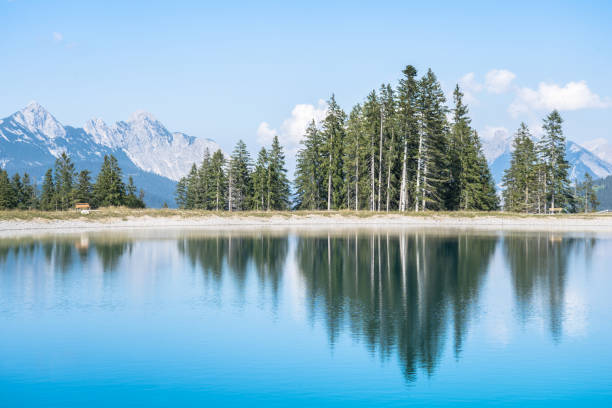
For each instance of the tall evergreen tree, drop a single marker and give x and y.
(84, 189)
(28, 199)
(355, 160)
(333, 139)
(181, 193)
(552, 151)
(432, 157)
(109, 189)
(310, 174)
(520, 178)
(587, 196)
(7, 192)
(278, 184)
(407, 92)
(64, 180)
(48, 196)
(240, 188)
(260, 181)
(131, 199)
(218, 181)
(18, 193)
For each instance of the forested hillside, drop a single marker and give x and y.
(604, 193)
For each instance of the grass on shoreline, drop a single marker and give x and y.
(114, 213)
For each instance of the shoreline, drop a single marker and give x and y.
(315, 221)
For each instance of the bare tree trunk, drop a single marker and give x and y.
(230, 189)
(329, 182)
(380, 155)
(357, 178)
(418, 175)
(424, 186)
(403, 187)
(373, 179)
(389, 171)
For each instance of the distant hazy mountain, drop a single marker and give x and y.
(498, 150)
(601, 148)
(31, 140)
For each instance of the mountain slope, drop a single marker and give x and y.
(498, 151)
(31, 140)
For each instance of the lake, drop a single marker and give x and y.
(287, 318)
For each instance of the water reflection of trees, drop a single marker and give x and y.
(396, 291)
(264, 253)
(62, 252)
(539, 267)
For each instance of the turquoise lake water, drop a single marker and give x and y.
(280, 318)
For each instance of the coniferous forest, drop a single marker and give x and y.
(63, 187)
(403, 148)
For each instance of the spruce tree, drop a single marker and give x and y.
(181, 193)
(193, 183)
(552, 151)
(355, 160)
(109, 189)
(84, 190)
(28, 198)
(520, 179)
(587, 196)
(218, 181)
(131, 199)
(310, 186)
(64, 180)
(407, 91)
(432, 157)
(48, 196)
(7, 192)
(17, 187)
(277, 183)
(203, 183)
(333, 139)
(240, 187)
(260, 181)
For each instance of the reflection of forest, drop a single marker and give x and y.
(539, 268)
(265, 253)
(405, 293)
(63, 251)
(398, 292)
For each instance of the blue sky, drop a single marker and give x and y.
(222, 69)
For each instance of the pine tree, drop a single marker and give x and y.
(432, 159)
(240, 187)
(181, 193)
(521, 177)
(218, 182)
(131, 199)
(28, 198)
(193, 182)
(587, 196)
(333, 139)
(409, 135)
(18, 192)
(203, 183)
(84, 190)
(355, 160)
(309, 173)
(109, 189)
(552, 151)
(48, 196)
(372, 125)
(7, 192)
(260, 181)
(64, 180)
(277, 183)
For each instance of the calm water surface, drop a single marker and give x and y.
(352, 318)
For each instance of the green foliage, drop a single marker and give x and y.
(586, 196)
(310, 175)
(521, 178)
(109, 189)
(552, 153)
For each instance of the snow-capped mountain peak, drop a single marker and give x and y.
(39, 121)
(600, 147)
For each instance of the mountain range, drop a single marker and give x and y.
(31, 139)
(593, 157)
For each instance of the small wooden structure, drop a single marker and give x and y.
(82, 206)
(555, 210)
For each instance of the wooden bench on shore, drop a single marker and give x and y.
(83, 207)
(555, 210)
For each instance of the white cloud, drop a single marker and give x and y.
(57, 37)
(572, 96)
(499, 80)
(469, 86)
(293, 128)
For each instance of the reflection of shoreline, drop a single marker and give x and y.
(316, 222)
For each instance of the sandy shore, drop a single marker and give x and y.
(530, 223)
